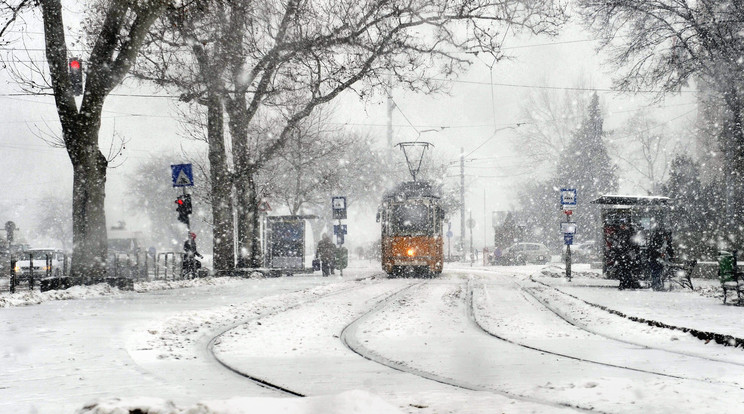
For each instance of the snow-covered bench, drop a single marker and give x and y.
(732, 283)
(729, 275)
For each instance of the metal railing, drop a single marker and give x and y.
(123, 269)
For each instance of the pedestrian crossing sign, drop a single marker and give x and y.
(181, 175)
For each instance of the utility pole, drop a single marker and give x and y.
(472, 255)
(462, 199)
(390, 106)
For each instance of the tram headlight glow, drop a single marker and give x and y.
(411, 252)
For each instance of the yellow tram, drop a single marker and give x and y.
(411, 218)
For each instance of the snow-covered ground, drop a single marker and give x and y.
(476, 340)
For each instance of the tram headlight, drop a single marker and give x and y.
(411, 252)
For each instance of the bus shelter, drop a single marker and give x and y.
(628, 223)
(285, 242)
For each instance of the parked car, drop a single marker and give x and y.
(55, 266)
(584, 252)
(523, 253)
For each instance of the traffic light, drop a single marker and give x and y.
(76, 76)
(183, 207)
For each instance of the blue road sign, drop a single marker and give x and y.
(568, 196)
(338, 205)
(568, 227)
(182, 176)
(339, 229)
(568, 238)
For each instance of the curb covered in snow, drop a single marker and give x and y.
(35, 297)
(726, 340)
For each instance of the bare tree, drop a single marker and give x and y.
(667, 44)
(315, 51)
(282, 60)
(321, 160)
(10, 12)
(647, 150)
(115, 46)
(550, 119)
(54, 220)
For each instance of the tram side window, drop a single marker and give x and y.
(411, 219)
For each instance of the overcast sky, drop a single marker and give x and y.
(484, 100)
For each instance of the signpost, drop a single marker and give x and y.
(182, 176)
(338, 204)
(338, 207)
(568, 204)
(339, 230)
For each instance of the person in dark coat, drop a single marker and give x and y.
(626, 256)
(656, 256)
(326, 252)
(190, 264)
(660, 255)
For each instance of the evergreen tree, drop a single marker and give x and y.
(697, 218)
(541, 209)
(508, 233)
(685, 189)
(586, 166)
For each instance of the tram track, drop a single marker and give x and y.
(261, 382)
(351, 339)
(538, 302)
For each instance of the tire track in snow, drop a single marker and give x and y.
(349, 336)
(260, 381)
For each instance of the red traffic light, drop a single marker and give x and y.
(74, 64)
(179, 201)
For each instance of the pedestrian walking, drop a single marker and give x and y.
(626, 256)
(326, 252)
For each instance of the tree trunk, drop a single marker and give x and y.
(88, 214)
(243, 178)
(734, 169)
(253, 217)
(221, 189)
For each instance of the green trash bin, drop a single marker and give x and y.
(726, 267)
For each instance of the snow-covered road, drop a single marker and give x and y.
(471, 341)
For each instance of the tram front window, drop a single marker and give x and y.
(410, 219)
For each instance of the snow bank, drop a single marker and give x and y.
(25, 298)
(349, 402)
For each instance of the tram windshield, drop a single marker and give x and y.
(410, 219)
